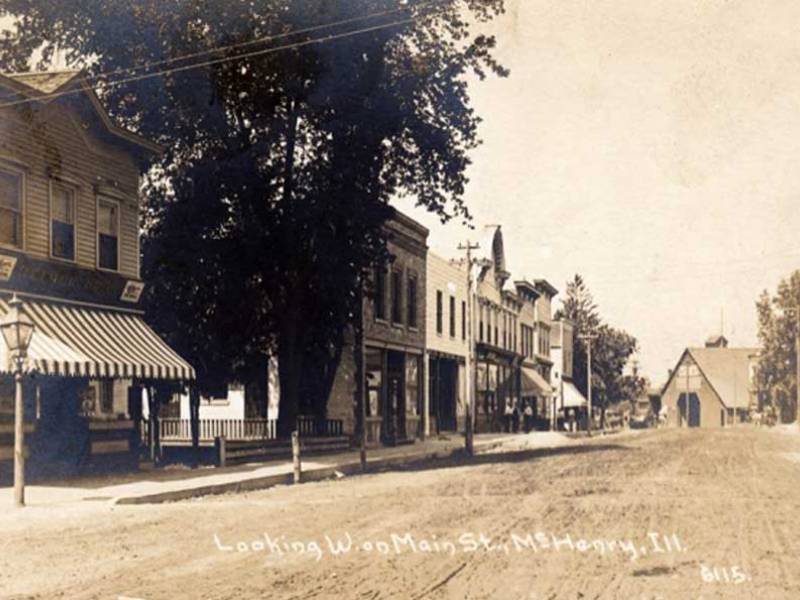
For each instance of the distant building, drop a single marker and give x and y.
(535, 386)
(711, 386)
(496, 327)
(569, 404)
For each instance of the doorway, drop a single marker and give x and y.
(694, 410)
(394, 409)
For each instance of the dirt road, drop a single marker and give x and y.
(664, 514)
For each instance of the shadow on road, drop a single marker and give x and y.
(461, 459)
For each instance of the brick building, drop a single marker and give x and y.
(394, 335)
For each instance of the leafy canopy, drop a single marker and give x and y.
(266, 210)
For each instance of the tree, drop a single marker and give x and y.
(579, 307)
(265, 213)
(611, 350)
(777, 328)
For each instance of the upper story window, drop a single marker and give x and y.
(380, 293)
(439, 311)
(107, 234)
(463, 320)
(412, 301)
(62, 221)
(452, 316)
(397, 297)
(11, 208)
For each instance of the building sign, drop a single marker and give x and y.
(7, 264)
(132, 292)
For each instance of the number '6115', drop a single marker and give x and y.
(734, 574)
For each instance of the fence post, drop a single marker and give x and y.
(219, 445)
(296, 456)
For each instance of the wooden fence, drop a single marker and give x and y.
(180, 430)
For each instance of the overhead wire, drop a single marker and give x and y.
(271, 50)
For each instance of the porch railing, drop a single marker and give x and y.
(231, 429)
(180, 430)
(309, 426)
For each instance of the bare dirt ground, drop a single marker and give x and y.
(567, 522)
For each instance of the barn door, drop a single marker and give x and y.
(694, 410)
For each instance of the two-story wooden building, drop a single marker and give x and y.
(69, 249)
(447, 346)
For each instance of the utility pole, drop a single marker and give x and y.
(588, 338)
(470, 408)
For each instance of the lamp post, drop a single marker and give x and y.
(17, 330)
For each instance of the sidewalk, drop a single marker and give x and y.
(171, 484)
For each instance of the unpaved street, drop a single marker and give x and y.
(570, 522)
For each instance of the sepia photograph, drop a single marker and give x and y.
(399, 299)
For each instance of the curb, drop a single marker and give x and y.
(312, 475)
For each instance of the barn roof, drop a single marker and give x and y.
(728, 372)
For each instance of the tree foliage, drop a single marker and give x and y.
(777, 328)
(266, 210)
(611, 350)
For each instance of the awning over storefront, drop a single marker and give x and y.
(534, 384)
(82, 341)
(572, 396)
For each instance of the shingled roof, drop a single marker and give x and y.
(728, 372)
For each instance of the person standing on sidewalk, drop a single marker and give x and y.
(508, 415)
(528, 417)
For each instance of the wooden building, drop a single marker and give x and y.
(447, 348)
(69, 249)
(710, 387)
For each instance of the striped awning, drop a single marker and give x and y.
(81, 341)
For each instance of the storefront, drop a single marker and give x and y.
(394, 395)
(498, 384)
(537, 394)
(446, 373)
(87, 366)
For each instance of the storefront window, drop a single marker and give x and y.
(374, 372)
(412, 384)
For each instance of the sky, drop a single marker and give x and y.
(651, 147)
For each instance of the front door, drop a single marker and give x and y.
(449, 395)
(394, 413)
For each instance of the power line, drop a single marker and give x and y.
(266, 51)
(262, 39)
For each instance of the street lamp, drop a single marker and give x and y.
(17, 329)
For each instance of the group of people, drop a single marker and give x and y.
(512, 413)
